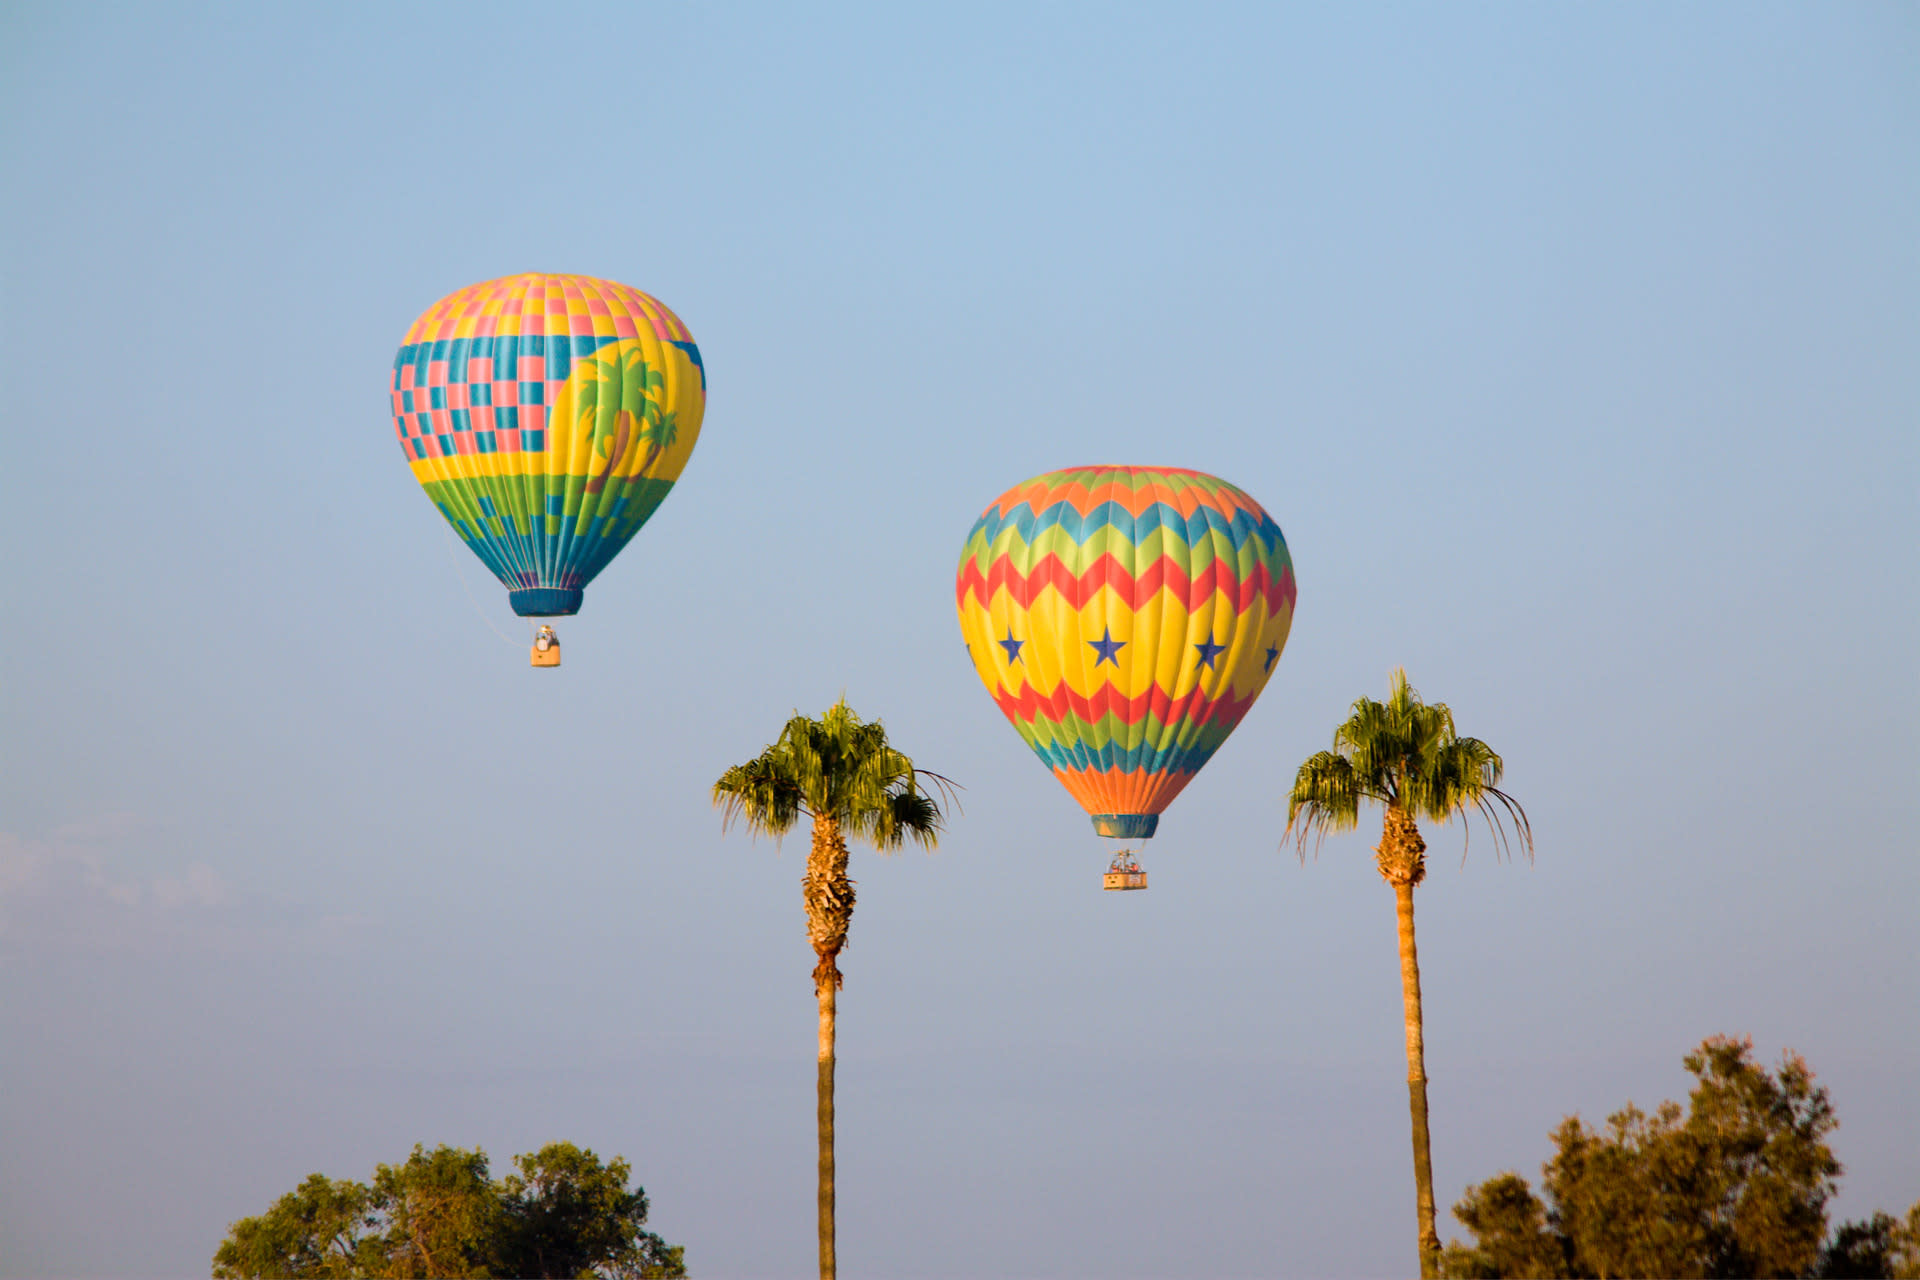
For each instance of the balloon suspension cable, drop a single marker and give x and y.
(454, 559)
(1123, 861)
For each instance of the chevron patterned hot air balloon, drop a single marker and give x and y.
(1124, 619)
(547, 417)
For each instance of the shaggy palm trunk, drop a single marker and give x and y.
(829, 896)
(1403, 864)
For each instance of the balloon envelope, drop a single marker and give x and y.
(1124, 619)
(547, 417)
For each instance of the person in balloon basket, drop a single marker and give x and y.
(546, 647)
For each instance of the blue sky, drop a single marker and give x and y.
(1573, 348)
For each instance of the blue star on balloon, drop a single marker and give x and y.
(1273, 655)
(1011, 645)
(1209, 651)
(1106, 646)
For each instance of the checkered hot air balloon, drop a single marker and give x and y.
(547, 417)
(1124, 619)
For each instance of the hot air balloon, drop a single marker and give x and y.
(547, 417)
(1124, 619)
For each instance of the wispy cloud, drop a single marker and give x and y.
(101, 883)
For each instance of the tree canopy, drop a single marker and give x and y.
(1404, 755)
(562, 1213)
(1737, 1184)
(839, 768)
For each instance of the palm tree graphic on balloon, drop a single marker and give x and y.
(624, 414)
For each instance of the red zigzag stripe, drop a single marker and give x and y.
(1107, 572)
(1030, 704)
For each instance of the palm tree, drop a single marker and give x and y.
(840, 772)
(1405, 756)
(628, 381)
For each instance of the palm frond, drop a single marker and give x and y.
(759, 795)
(949, 789)
(1326, 797)
(1404, 752)
(663, 428)
(1460, 777)
(909, 815)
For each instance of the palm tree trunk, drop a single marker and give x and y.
(829, 898)
(825, 1123)
(1417, 1084)
(1402, 859)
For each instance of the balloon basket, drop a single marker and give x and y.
(546, 648)
(1124, 873)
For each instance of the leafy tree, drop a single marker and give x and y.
(1511, 1236)
(1881, 1248)
(1404, 756)
(322, 1229)
(840, 772)
(564, 1214)
(441, 1211)
(1737, 1184)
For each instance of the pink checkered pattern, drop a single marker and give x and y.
(540, 302)
(539, 305)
